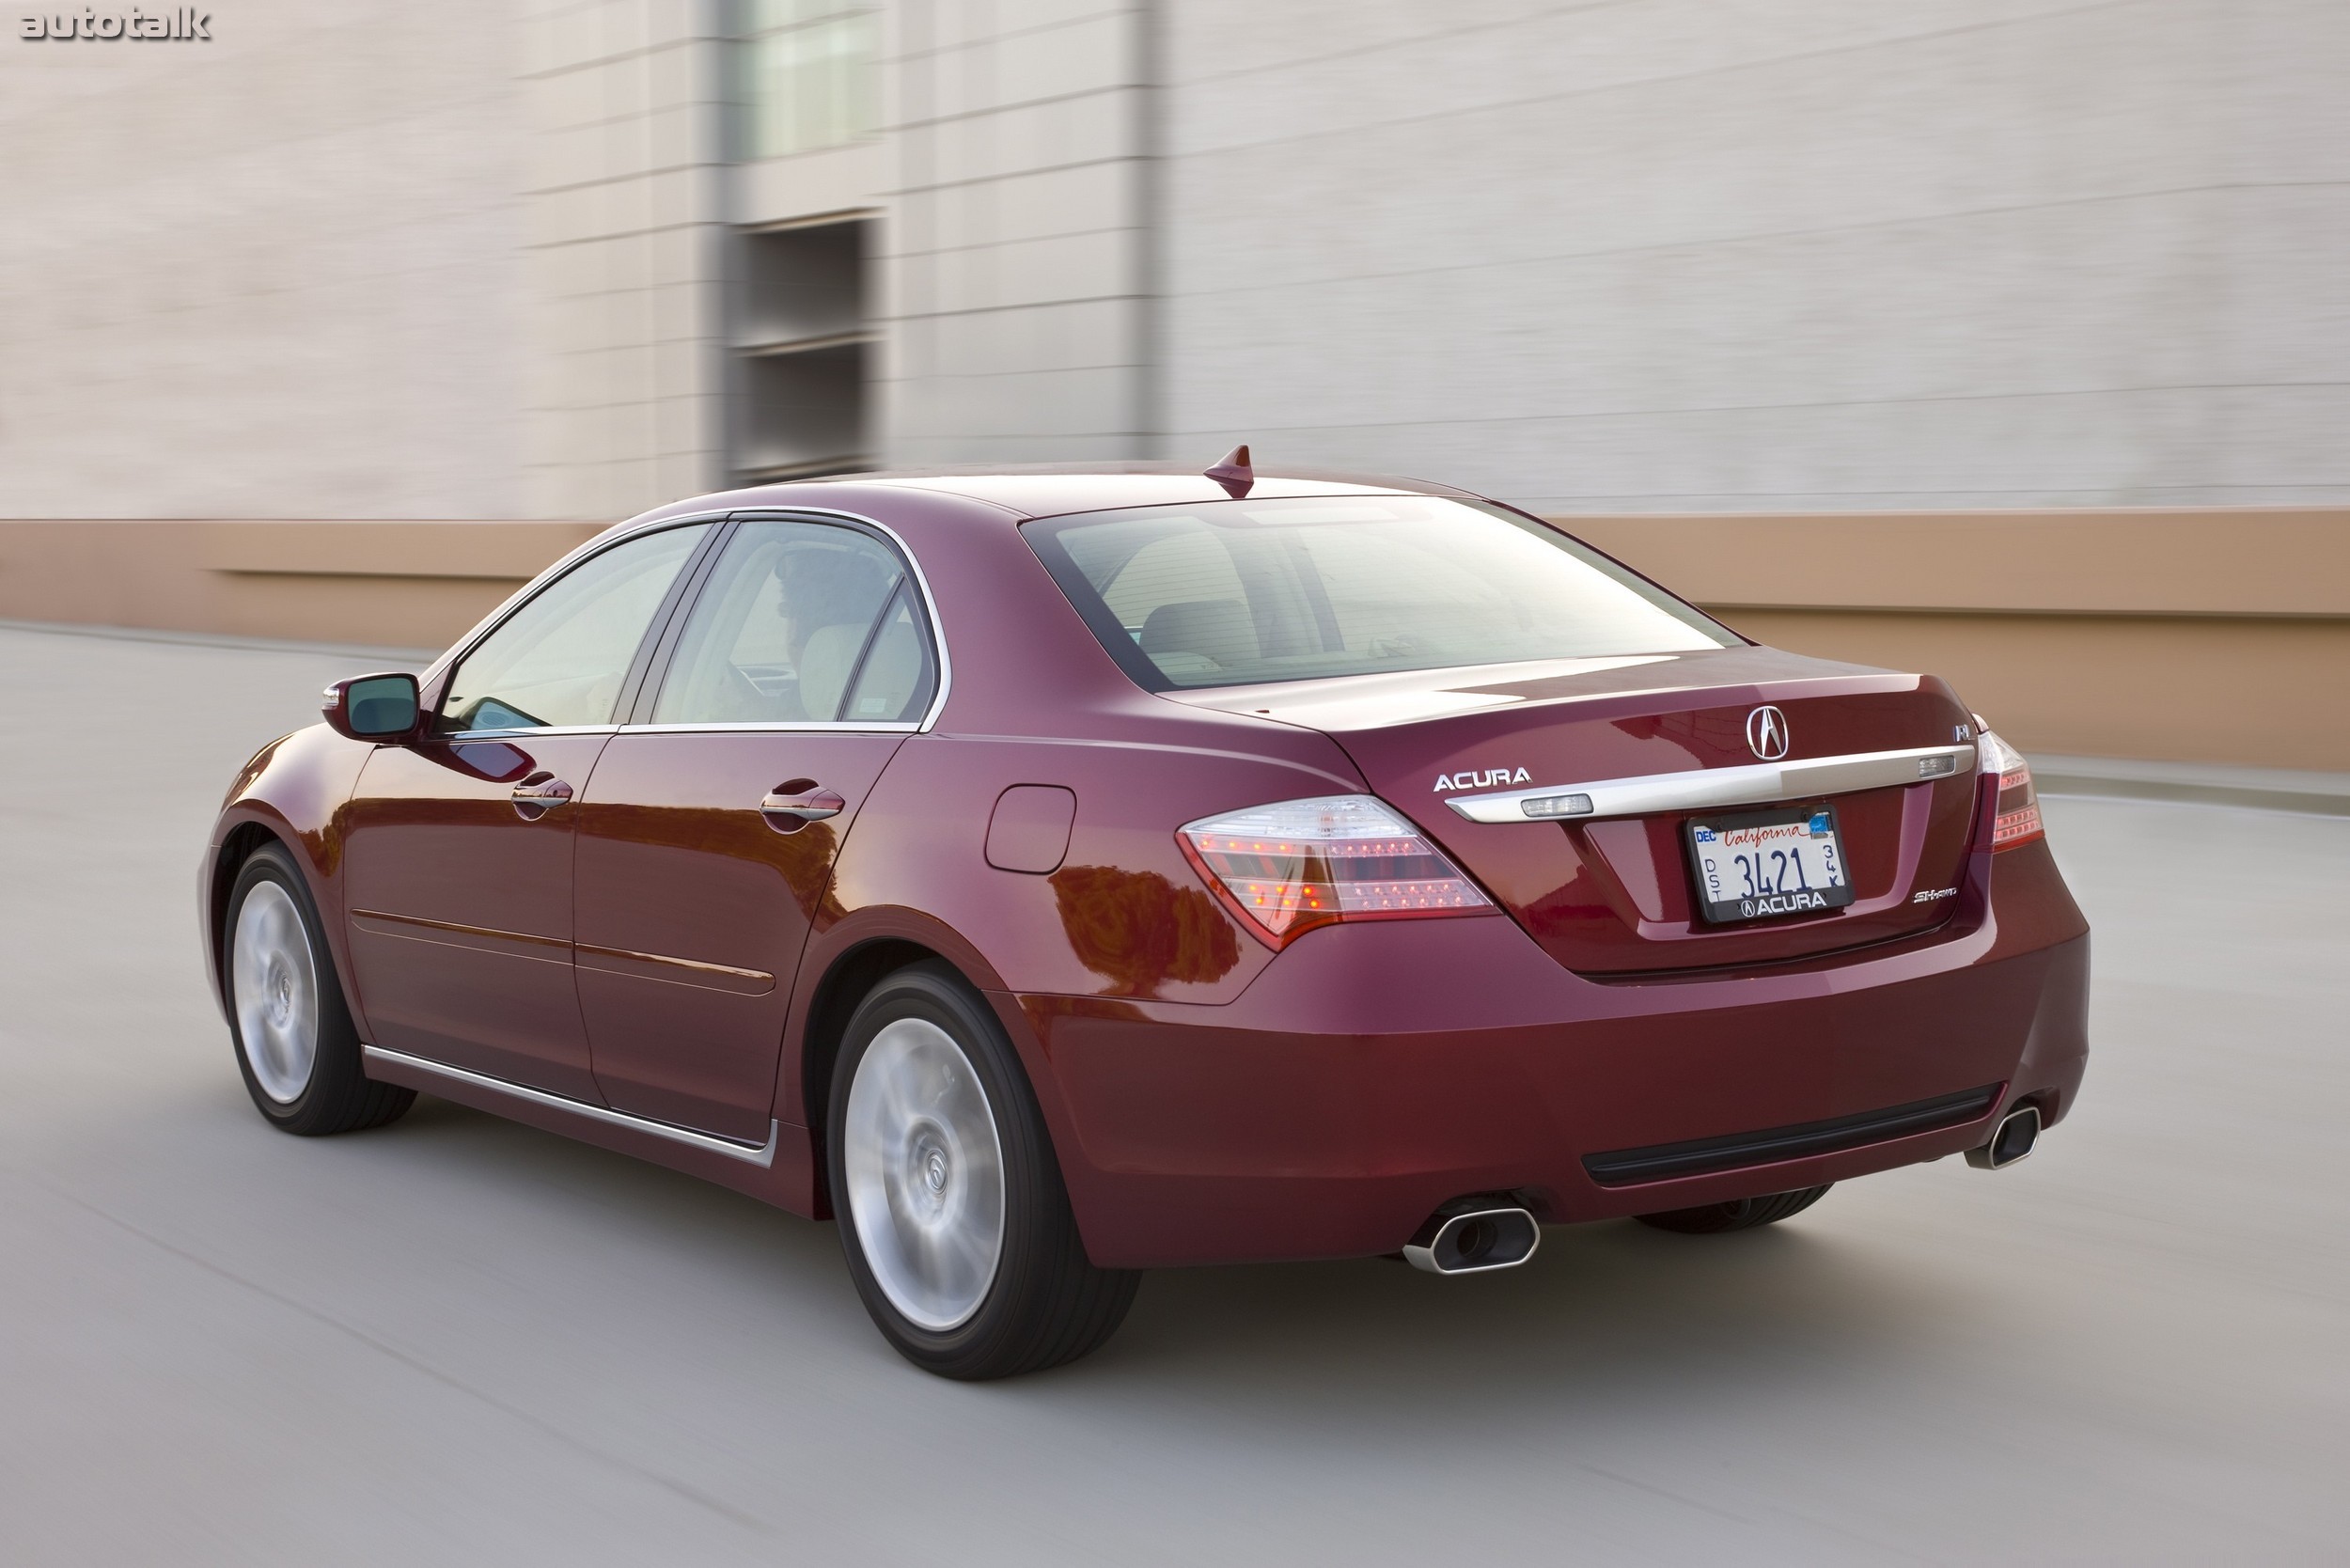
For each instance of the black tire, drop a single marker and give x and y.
(337, 1095)
(1744, 1214)
(1044, 1303)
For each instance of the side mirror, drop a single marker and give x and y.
(373, 707)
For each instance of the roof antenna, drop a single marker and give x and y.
(1234, 473)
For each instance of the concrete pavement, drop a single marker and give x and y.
(460, 1341)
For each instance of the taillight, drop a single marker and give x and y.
(1288, 868)
(2015, 819)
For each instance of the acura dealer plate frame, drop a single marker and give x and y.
(1754, 865)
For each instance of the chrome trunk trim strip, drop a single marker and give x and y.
(1758, 784)
(762, 1155)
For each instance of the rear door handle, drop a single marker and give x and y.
(789, 808)
(535, 796)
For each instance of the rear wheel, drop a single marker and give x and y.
(1741, 1214)
(295, 1041)
(952, 1214)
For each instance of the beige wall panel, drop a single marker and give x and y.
(2273, 693)
(2170, 634)
(390, 585)
(2097, 674)
(2267, 560)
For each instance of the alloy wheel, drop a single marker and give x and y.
(925, 1174)
(274, 984)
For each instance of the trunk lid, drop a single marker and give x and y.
(1614, 895)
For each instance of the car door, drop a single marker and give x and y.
(457, 847)
(708, 832)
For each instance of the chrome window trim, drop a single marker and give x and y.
(530, 729)
(762, 1155)
(809, 727)
(621, 533)
(1696, 789)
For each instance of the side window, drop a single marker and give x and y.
(801, 623)
(561, 658)
(898, 678)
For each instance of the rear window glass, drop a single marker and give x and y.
(1235, 593)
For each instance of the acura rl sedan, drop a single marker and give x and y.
(1050, 875)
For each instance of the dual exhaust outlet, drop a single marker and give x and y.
(1477, 1236)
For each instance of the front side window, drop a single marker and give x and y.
(559, 661)
(1232, 593)
(801, 623)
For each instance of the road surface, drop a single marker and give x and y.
(458, 1340)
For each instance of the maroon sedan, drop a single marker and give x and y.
(1055, 874)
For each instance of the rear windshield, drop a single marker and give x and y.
(1234, 593)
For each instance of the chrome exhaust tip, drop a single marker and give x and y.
(1473, 1241)
(2012, 1140)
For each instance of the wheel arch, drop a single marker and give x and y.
(848, 960)
(847, 981)
(237, 846)
(848, 969)
(242, 834)
(289, 793)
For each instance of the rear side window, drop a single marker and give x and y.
(801, 623)
(1238, 592)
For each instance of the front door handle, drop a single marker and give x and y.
(539, 795)
(791, 806)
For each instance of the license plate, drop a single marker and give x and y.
(1756, 864)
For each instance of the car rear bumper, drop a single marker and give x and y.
(1377, 1071)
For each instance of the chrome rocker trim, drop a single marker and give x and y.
(762, 1155)
(1758, 784)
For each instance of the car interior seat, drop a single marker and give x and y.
(1217, 629)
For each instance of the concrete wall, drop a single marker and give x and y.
(276, 273)
(1014, 261)
(1779, 256)
(625, 252)
(430, 259)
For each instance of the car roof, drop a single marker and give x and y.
(1052, 490)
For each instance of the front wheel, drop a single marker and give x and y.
(952, 1212)
(1743, 1214)
(295, 1041)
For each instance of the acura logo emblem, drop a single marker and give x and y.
(1767, 733)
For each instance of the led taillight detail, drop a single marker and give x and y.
(2015, 818)
(1288, 868)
